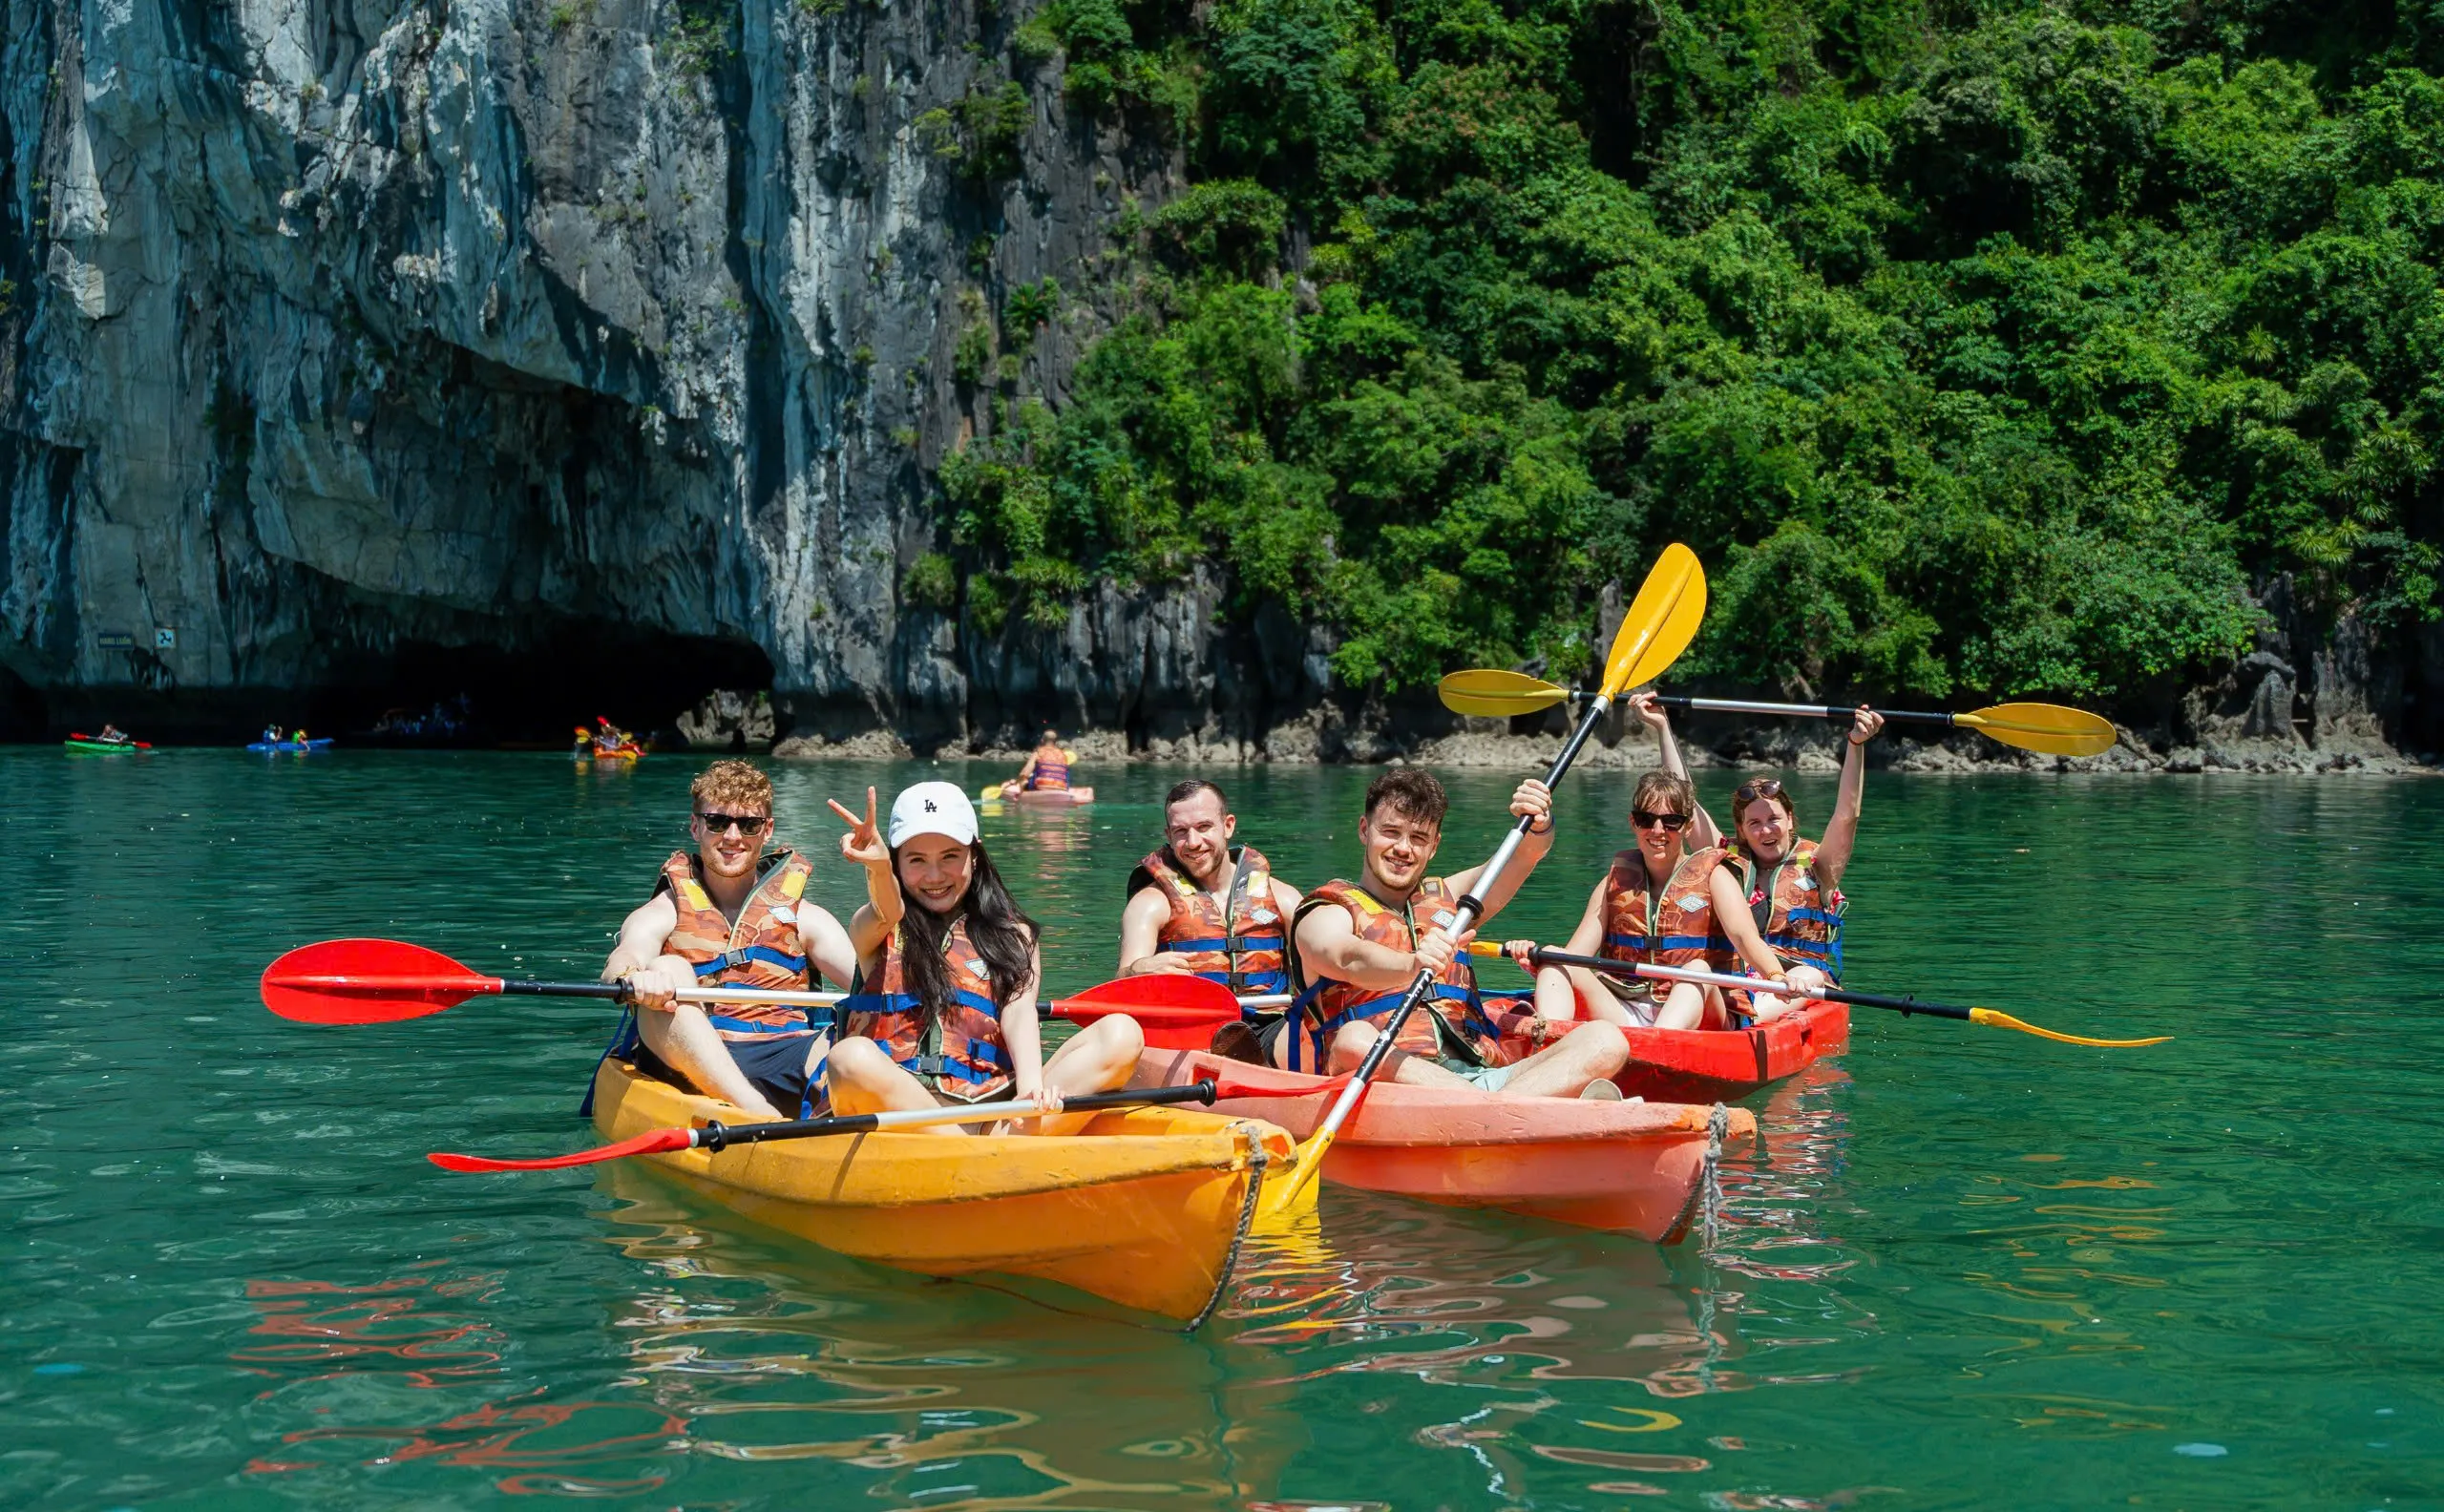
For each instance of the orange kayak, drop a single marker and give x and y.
(1631, 1168)
(1723, 1065)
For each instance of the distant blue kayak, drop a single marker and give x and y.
(271, 746)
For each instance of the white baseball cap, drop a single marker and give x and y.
(933, 808)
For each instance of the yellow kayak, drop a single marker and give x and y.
(1148, 1207)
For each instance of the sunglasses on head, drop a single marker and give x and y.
(749, 826)
(1647, 821)
(1761, 787)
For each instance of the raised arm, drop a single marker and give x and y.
(874, 920)
(1842, 831)
(1703, 832)
(1531, 800)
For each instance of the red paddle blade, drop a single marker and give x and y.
(1162, 990)
(652, 1142)
(1176, 1012)
(364, 982)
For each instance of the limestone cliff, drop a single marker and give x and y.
(335, 330)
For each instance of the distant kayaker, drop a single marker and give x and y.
(1651, 905)
(1360, 944)
(1776, 898)
(271, 734)
(730, 915)
(948, 970)
(1198, 908)
(1048, 768)
(113, 735)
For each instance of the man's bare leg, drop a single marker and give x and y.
(687, 1043)
(1591, 1051)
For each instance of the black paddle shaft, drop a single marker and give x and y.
(1830, 711)
(1545, 956)
(715, 1137)
(609, 992)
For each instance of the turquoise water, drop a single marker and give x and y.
(1960, 1267)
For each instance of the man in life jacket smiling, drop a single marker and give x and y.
(730, 915)
(1195, 908)
(1360, 945)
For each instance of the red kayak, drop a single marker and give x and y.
(1723, 1065)
(1628, 1167)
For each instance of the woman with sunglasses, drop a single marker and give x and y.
(948, 968)
(1651, 906)
(1777, 897)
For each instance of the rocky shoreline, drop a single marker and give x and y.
(1707, 749)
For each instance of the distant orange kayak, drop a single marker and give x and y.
(1630, 1167)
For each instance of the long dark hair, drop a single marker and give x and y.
(1002, 935)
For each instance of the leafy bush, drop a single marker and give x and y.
(1977, 351)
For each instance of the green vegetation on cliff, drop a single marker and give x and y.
(1975, 350)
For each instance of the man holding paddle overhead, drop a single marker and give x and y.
(730, 915)
(1360, 947)
(1198, 908)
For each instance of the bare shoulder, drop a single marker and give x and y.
(657, 914)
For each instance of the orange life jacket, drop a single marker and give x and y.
(1672, 925)
(1051, 773)
(761, 950)
(1457, 1023)
(1800, 917)
(962, 1053)
(1247, 952)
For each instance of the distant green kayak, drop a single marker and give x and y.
(87, 743)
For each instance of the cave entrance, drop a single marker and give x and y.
(639, 679)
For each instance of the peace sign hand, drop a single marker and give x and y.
(863, 843)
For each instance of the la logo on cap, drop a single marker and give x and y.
(932, 807)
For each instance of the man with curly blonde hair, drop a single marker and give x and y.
(728, 914)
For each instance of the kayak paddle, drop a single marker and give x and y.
(2048, 728)
(1660, 625)
(369, 981)
(716, 1137)
(97, 740)
(1991, 1017)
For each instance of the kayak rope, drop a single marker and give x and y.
(1258, 1160)
(1718, 1128)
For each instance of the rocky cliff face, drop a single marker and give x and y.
(337, 331)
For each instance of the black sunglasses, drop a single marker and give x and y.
(749, 826)
(1759, 787)
(1644, 820)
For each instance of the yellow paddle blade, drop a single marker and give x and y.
(1487, 693)
(2003, 1020)
(2047, 728)
(1662, 620)
(1290, 1195)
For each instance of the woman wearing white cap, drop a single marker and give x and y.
(947, 970)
